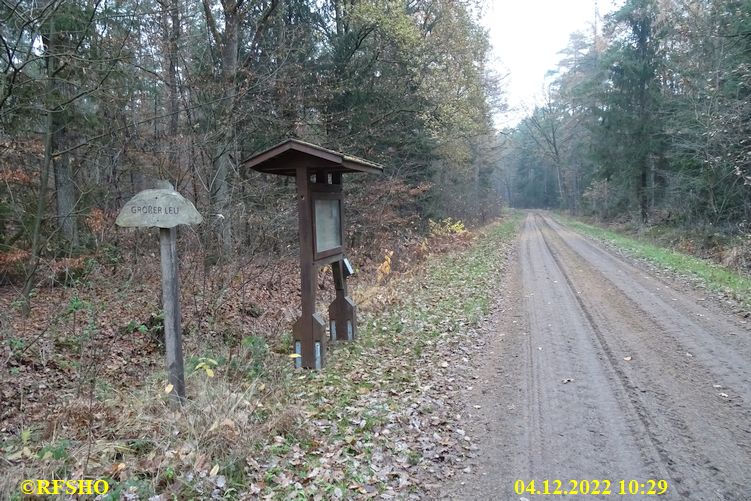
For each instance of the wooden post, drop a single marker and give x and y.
(171, 302)
(165, 208)
(342, 311)
(308, 331)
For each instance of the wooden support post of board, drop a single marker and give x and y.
(309, 331)
(342, 311)
(171, 302)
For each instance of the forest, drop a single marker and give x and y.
(100, 99)
(646, 118)
(644, 123)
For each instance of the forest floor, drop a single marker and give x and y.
(83, 382)
(519, 351)
(611, 370)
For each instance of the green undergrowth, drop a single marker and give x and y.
(711, 275)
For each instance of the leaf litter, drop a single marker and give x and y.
(384, 419)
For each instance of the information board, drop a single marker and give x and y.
(328, 224)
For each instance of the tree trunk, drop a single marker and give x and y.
(65, 190)
(643, 195)
(220, 191)
(652, 183)
(223, 165)
(173, 36)
(65, 187)
(49, 145)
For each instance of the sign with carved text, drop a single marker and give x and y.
(163, 208)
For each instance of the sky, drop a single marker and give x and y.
(526, 36)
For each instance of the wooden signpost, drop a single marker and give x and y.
(165, 208)
(318, 175)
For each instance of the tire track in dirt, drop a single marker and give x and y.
(637, 407)
(688, 423)
(615, 440)
(607, 373)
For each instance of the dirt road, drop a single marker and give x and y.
(601, 371)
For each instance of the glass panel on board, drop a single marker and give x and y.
(328, 224)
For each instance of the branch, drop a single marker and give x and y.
(211, 22)
(266, 15)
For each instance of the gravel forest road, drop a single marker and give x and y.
(599, 370)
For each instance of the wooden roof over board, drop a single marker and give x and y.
(286, 156)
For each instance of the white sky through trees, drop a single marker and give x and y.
(527, 36)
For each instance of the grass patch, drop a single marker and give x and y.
(711, 275)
